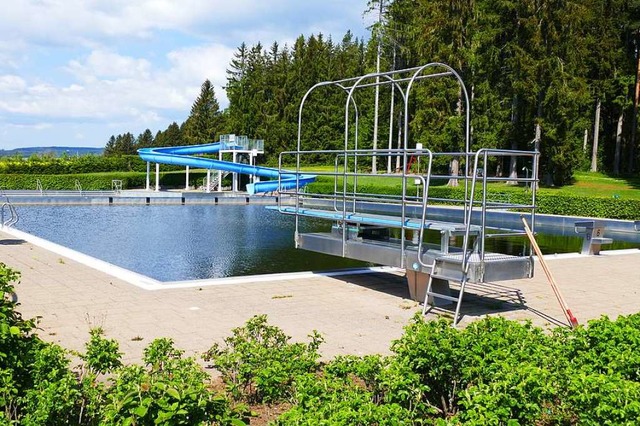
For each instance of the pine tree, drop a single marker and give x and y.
(203, 122)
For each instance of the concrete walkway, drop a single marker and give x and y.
(357, 314)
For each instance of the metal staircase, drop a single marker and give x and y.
(214, 182)
(398, 229)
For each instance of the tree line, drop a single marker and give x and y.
(264, 87)
(563, 72)
(556, 75)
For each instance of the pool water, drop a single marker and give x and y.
(175, 242)
(171, 243)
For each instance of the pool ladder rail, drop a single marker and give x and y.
(7, 207)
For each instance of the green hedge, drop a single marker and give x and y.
(548, 202)
(88, 181)
(99, 181)
(73, 165)
(492, 372)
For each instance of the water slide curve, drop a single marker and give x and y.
(185, 156)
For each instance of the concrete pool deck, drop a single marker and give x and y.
(356, 314)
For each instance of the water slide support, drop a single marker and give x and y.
(157, 177)
(185, 156)
(148, 173)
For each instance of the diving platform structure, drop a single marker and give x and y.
(440, 257)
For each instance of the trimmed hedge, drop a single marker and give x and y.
(88, 181)
(98, 181)
(548, 202)
(74, 165)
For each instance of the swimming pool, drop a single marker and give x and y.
(175, 243)
(196, 241)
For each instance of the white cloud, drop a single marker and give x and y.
(106, 64)
(33, 126)
(131, 64)
(109, 84)
(11, 83)
(72, 21)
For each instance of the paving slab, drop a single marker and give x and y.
(357, 314)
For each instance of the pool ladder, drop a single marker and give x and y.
(8, 207)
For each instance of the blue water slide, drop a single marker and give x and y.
(184, 156)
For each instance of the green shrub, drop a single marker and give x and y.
(331, 400)
(88, 182)
(102, 355)
(258, 364)
(169, 390)
(493, 372)
(36, 384)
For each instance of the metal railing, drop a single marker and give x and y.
(78, 187)
(116, 186)
(476, 171)
(352, 194)
(8, 213)
(39, 186)
(214, 182)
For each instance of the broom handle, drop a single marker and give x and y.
(563, 304)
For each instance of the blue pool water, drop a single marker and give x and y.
(175, 242)
(172, 243)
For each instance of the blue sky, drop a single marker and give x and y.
(74, 72)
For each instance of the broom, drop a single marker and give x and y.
(573, 321)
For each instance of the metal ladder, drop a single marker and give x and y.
(78, 187)
(39, 186)
(471, 252)
(7, 206)
(214, 182)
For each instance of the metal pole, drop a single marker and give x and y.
(186, 184)
(235, 175)
(148, 173)
(208, 181)
(393, 92)
(220, 172)
(157, 177)
(374, 160)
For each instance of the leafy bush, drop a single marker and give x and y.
(493, 372)
(38, 387)
(36, 384)
(329, 400)
(169, 390)
(258, 363)
(102, 355)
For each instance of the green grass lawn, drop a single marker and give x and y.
(585, 184)
(600, 185)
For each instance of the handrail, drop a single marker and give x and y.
(13, 219)
(116, 185)
(39, 186)
(78, 186)
(484, 204)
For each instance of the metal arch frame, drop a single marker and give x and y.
(417, 75)
(337, 83)
(394, 78)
